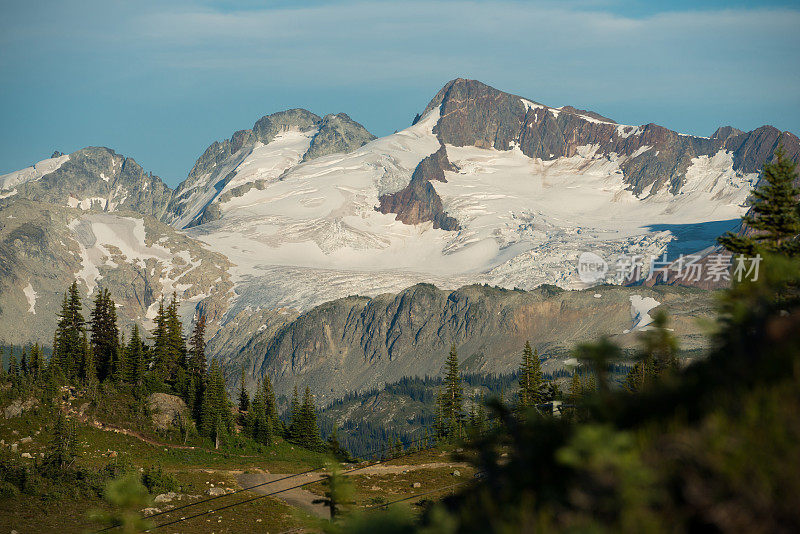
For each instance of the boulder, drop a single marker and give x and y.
(165, 497)
(215, 492)
(167, 410)
(18, 407)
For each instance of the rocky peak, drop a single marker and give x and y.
(650, 156)
(338, 133)
(97, 178)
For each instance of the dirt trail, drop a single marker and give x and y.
(298, 497)
(304, 499)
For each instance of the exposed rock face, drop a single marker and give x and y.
(44, 247)
(99, 179)
(418, 202)
(337, 134)
(354, 343)
(196, 198)
(474, 114)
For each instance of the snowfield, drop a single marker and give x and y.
(30, 174)
(312, 233)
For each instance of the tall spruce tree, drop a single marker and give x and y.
(258, 423)
(775, 215)
(197, 347)
(294, 414)
(451, 399)
(36, 363)
(271, 405)
(134, 358)
(531, 386)
(244, 397)
(105, 336)
(70, 333)
(216, 408)
(13, 366)
(23, 363)
(160, 343)
(308, 432)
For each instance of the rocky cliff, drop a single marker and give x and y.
(356, 342)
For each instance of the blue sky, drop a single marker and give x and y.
(159, 81)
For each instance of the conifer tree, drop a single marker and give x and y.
(244, 397)
(259, 424)
(3, 373)
(23, 363)
(134, 358)
(530, 380)
(160, 343)
(215, 417)
(451, 399)
(308, 430)
(69, 333)
(575, 387)
(88, 370)
(197, 347)
(63, 446)
(294, 422)
(271, 405)
(774, 216)
(176, 343)
(13, 366)
(36, 363)
(105, 336)
(658, 356)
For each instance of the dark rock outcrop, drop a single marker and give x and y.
(475, 114)
(418, 202)
(337, 134)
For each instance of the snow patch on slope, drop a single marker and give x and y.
(30, 174)
(30, 294)
(640, 312)
(105, 239)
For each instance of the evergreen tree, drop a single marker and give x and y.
(160, 343)
(658, 355)
(134, 358)
(197, 347)
(294, 422)
(531, 386)
(63, 446)
(451, 401)
(216, 409)
(774, 216)
(176, 343)
(271, 405)
(308, 431)
(23, 363)
(244, 398)
(13, 366)
(3, 373)
(105, 336)
(36, 364)
(259, 424)
(88, 370)
(575, 387)
(69, 334)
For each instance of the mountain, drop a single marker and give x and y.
(355, 343)
(44, 247)
(252, 158)
(93, 177)
(486, 187)
(297, 236)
